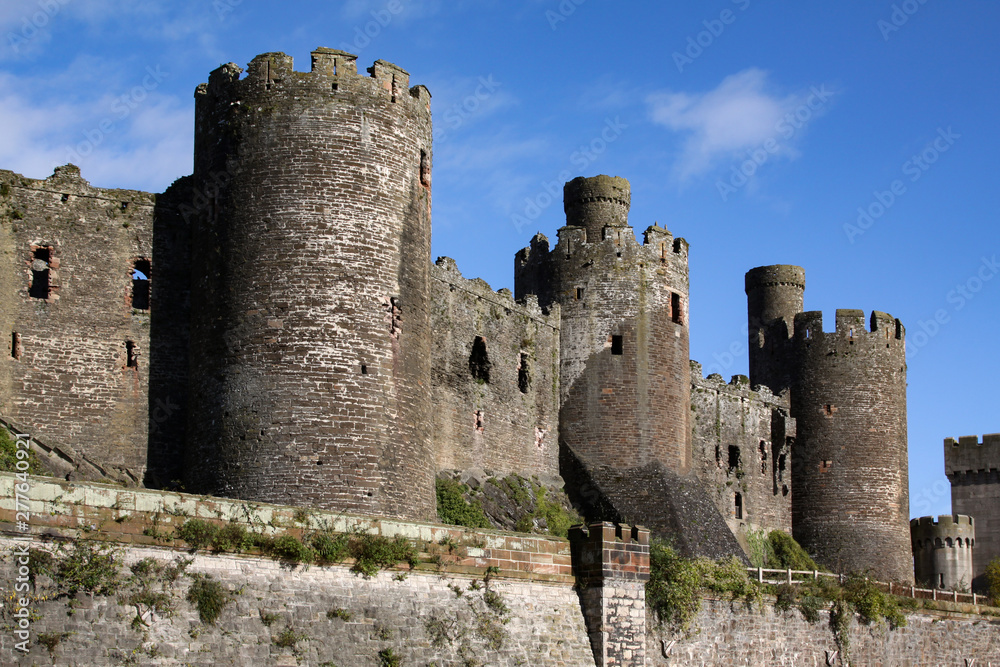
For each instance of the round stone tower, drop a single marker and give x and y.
(625, 375)
(310, 333)
(942, 551)
(597, 202)
(774, 298)
(850, 502)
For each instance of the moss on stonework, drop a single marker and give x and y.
(506, 503)
(9, 457)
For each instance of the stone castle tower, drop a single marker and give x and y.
(850, 501)
(973, 468)
(943, 550)
(310, 339)
(625, 372)
(291, 342)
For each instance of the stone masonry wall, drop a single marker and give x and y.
(973, 468)
(726, 633)
(504, 418)
(743, 450)
(612, 565)
(436, 613)
(75, 365)
(424, 618)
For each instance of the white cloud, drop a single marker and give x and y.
(720, 125)
(118, 142)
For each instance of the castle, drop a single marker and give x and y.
(271, 328)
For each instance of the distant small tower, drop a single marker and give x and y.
(943, 551)
(625, 373)
(774, 298)
(310, 329)
(850, 500)
(973, 468)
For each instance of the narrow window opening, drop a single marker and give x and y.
(336, 87)
(781, 467)
(808, 334)
(784, 490)
(941, 580)
(829, 409)
(675, 308)
(15, 345)
(734, 458)
(718, 456)
(523, 374)
(65, 198)
(131, 355)
(40, 286)
(140, 284)
(763, 457)
(480, 421)
(617, 346)
(739, 506)
(425, 169)
(579, 293)
(364, 369)
(479, 361)
(124, 206)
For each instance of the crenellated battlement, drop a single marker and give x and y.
(850, 328)
(332, 71)
(969, 454)
(606, 551)
(738, 385)
(947, 530)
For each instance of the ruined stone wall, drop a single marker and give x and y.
(624, 380)
(496, 399)
(942, 551)
(310, 338)
(743, 442)
(729, 634)
(75, 365)
(850, 507)
(973, 468)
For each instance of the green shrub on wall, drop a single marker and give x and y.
(454, 509)
(787, 553)
(993, 581)
(676, 584)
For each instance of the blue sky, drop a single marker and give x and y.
(832, 108)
